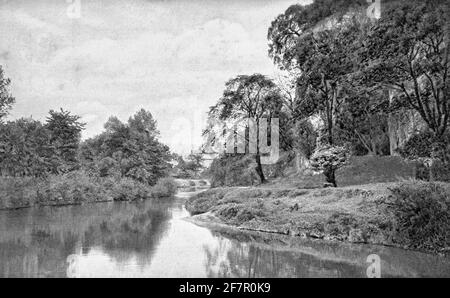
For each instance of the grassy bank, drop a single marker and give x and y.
(413, 215)
(77, 188)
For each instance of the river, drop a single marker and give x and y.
(151, 239)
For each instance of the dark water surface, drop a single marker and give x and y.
(151, 239)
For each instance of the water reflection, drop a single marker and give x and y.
(47, 242)
(242, 260)
(151, 239)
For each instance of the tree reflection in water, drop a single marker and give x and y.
(38, 242)
(248, 260)
(246, 255)
(152, 239)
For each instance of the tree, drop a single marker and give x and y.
(299, 19)
(65, 135)
(326, 65)
(143, 123)
(194, 162)
(327, 159)
(190, 167)
(24, 148)
(128, 150)
(426, 147)
(6, 99)
(363, 121)
(315, 43)
(249, 97)
(306, 137)
(407, 50)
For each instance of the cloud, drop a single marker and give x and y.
(172, 58)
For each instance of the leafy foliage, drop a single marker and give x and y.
(248, 97)
(128, 150)
(363, 122)
(25, 148)
(165, 187)
(420, 215)
(306, 138)
(6, 99)
(65, 134)
(407, 50)
(433, 151)
(189, 168)
(298, 19)
(232, 170)
(328, 159)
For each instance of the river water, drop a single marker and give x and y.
(151, 239)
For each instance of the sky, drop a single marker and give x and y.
(101, 58)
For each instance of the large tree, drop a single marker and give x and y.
(252, 97)
(6, 99)
(316, 44)
(65, 135)
(363, 121)
(299, 19)
(407, 50)
(24, 148)
(129, 149)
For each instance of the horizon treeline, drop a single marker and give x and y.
(31, 148)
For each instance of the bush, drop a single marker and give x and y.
(77, 187)
(18, 192)
(420, 214)
(232, 170)
(204, 201)
(71, 188)
(327, 159)
(165, 187)
(127, 189)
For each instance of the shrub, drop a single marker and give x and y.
(327, 159)
(238, 213)
(204, 201)
(420, 214)
(127, 189)
(232, 170)
(18, 192)
(165, 187)
(71, 188)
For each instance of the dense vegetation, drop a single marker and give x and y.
(361, 100)
(346, 77)
(48, 164)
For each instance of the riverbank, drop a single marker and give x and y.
(411, 215)
(77, 188)
(139, 239)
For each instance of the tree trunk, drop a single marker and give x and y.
(259, 169)
(430, 170)
(330, 175)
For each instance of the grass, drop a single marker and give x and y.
(353, 213)
(360, 170)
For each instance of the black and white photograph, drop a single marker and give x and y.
(224, 145)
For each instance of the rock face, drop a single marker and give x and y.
(401, 126)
